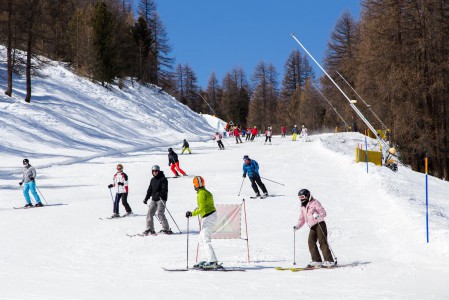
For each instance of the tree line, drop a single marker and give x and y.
(395, 56)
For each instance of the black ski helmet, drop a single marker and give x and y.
(170, 149)
(304, 194)
(26, 161)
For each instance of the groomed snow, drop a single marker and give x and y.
(75, 132)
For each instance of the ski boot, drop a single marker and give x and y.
(39, 204)
(28, 205)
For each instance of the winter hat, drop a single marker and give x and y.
(170, 150)
(246, 157)
(26, 161)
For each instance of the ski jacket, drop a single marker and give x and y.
(205, 202)
(236, 132)
(252, 169)
(268, 133)
(218, 136)
(158, 188)
(185, 145)
(123, 178)
(172, 158)
(283, 129)
(295, 130)
(306, 213)
(304, 131)
(28, 173)
(254, 131)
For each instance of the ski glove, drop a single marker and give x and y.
(295, 227)
(20, 183)
(110, 186)
(120, 183)
(188, 214)
(315, 215)
(244, 175)
(31, 178)
(145, 201)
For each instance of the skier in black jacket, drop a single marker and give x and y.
(157, 191)
(173, 163)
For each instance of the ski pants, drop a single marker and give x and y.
(124, 197)
(30, 186)
(220, 144)
(318, 232)
(305, 137)
(237, 139)
(268, 138)
(294, 136)
(252, 137)
(186, 149)
(256, 179)
(175, 167)
(157, 208)
(248, 136)
(207, 229)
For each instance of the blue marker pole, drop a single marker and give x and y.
(366, 154)
(427, 200)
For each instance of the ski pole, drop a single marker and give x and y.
(112, 198)
(187, 243)
(41, 195)
(241, 186)
(273, 181)
(294, 246)
(171, 216)
(335, 258)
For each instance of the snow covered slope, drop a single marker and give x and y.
(376, 220)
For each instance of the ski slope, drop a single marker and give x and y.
(75, 133)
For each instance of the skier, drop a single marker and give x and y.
(173, 163)
(248, 134)
(185, 147)
(268, 134)
(206, 209)
(254, 133)
(218, 137)
(157, 191)
(313, 213)
(29, 183)
(294, 132)
(283, 130)
(120, 180)
(304, 134)
(237, 135)
(252, 168)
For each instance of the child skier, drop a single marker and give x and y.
(313, 213)
(268, 134)
(185, 147)
(120, 180)
(304, 134)
(218, 137)
(173, 163)
(29, 183)
(294, 133)
(237, 135)
(206, 209)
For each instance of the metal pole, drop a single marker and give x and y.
(335, 258)
(112, 198)
(347, 98)
(207, 103)
(427, 202)
(170, 215)
(367, 105)
(294, 246)
(246, 227)
(187, 267)
(241, 186)
(272, 181)
(41, 195)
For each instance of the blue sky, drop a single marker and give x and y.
(213, 35)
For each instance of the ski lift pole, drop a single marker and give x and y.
(330, 105)
(427, 201)
(343, 93)
(363, 100)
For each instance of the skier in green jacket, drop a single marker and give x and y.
(206, 209)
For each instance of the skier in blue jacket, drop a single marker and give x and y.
(251, 167)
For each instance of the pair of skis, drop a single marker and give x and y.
(45, 205)
(302, 269)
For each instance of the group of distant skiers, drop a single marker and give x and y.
(311, 211)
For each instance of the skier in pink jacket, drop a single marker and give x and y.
(313, 213)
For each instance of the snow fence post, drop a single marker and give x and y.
(366, 154)
(246, 227)
(427, 200)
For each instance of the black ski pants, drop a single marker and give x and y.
(237, 139)
(256, 179)
(318, 232)
(124, 197)
(268, 138)
(220, 144)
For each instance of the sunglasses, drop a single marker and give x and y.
(155, 171)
